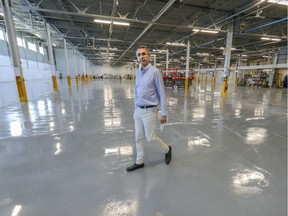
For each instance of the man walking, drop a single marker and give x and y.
(149, 93)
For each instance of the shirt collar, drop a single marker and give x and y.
(146, 68)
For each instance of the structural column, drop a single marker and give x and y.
(76, 65)
(227, 60)
(272, 73)
(215, 72)
(198, 73)
(88, 70)
(153, 57)
(187, 66)
(67, 64)
(51, 58)
(18, 71)
(167, 58)
(238, 64)
(82, 62)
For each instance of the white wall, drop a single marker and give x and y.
(106, 69)
(33, 71)
(60, 61)
(41, 72)
(34, 64)
(76, 64)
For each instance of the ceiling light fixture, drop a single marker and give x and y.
(159, 51)
(202, 54)
(37, 35)
(176, 44)
(111, 22)
(210, 31)
(106, 48)
(104, 53)
(265, 38)
(281, 2)
(206, 31)
(121, 23)
(102, 21)
(268, 38)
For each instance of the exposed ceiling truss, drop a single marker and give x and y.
(155, 23)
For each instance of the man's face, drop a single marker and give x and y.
(143, 57)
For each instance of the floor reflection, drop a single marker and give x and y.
(60, 146)
(247, 182)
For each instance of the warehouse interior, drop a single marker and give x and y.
(67, 70)
(259, 34)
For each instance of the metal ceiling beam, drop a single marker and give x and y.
(111, 24)
(35, 9)
(242, 10)
(164, 9)
(26, 9)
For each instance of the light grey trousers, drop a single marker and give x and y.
(145, 121)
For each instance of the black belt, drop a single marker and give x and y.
(145, 107)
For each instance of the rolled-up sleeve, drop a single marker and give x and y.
(161, 92)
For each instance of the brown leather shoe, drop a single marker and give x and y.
(168, 155)
(134, 167)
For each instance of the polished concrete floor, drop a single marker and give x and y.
(66, 153)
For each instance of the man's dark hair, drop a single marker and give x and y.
(144, 47)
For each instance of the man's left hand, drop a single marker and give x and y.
(163, 119)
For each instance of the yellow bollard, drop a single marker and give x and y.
(224, 87)
(54, 81)
(82, 80)
(186, 83)
(236, 81)
(76, 79)
(69, 81)
(21, 89)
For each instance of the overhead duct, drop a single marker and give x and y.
(266, 24)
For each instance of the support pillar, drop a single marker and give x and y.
(198, 73)
(187, 66)
(76, 66)
(51, 58)
(227, 60)
(154, 60)
(238, 63)
(67, 64)
(13, 47)
(272, 73)
(167, 58)
(83, 70)
(215, 73)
